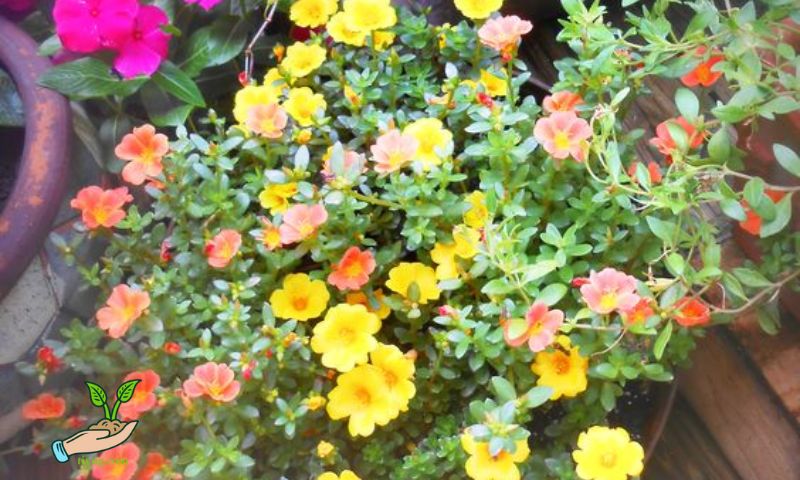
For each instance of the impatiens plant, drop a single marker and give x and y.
(387, 261)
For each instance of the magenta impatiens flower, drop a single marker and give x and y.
(205, 4)
(610, 290)
(87, 26)
(538, 328)
(146, 46)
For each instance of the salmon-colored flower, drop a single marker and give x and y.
(563, 134)
(143, 150)
(101, 208)
(666, 144)
(653, 171)
(214, 380)
(118, 463)
(538, 329)
(563, 101)
(639, 313)
(704, 73)
(692, 312)
(123, 307)
(610, 290)
(752, 224)
(222, 248)
(393, 150)
(154, 463)
(143, 397)
(504, 33)
(45, 406)
(267, 120)
(302, 221)
(353, 270)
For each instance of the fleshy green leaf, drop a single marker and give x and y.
(787, 158)
(125, 391)
(96, 394)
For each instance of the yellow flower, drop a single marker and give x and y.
(345, 475)
(324, 449)
(383, 40)
(494, 85)
(477, 214)
(481, 465)
(607, 454)
(369, 15)
(303, 105)
(478, 9)
(444, 255)
(300, 298)
(360, 298)
(276, 197)
(315, 402)
(251, 96)
(362, 395)
(341, 33)
(398, 372)
(303, 137)
(312, 13)
(274, 80)
(346, 336)
(302, 59)
(564, 372)
(467, 241)
(435, 141)
(403, 276)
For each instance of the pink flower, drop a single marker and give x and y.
(221, 249)
(563, 134)
(504, 33)
(86, 26)
(353, 269)
(267, 120)
(123, 307)
(561, 102)
(610, 290)
(393, 150)
(118, 463)
(146, 46)
(538, 329)
(204, 4)
(301, 221)
(143, 397)
(214, 380)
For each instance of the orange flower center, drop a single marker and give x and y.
(353, 269)
(561, 363)
(363, 396)
(608, 459)
(390, 378)
(346, 334)
(300, 303)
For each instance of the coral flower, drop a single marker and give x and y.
(304, 106)
(45, 406)
(353, 270)
(340, 32)
(301, 59)
(478, 9)
(301, 222)
(251, 96)
(153, 464)
(538, 329)
(607, 454)
(300, 298)
(346, 336)
(639, 313)
(704, 73)
(610, 290)
(221, 249)
(563, 101)
(143, 398)
(361, 394)
(345, 475)
(752, 224)
(414, 279)
(666, 144)
(435, 141)
(123, 307)
(393, 150)
(482, 465)
(214, 380)
(118, 463)
(562, 370)
(398, 373)
(267, 120)
(653, 172)
(204, 4)
(376, 305)
(504, 33)
(269, 235)
(692, 312)
(369, 15)
(147, 45)
(86, 26)
(563, 134)
(101, 208)
(143, 150)
(312, 13)
(276, 197)
(477, 214)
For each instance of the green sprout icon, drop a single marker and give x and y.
(99, 398)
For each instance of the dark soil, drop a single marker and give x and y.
(112, 426)
(11, 143)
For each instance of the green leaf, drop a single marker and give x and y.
(783, 214)
(719, 146)
(498, 286)
(662, 229)
(537, 396)
(662, 341)
(175, 82)
(516, 328)
(215, 44)
(687, 103)
(787, 158)
(751, 278)
(607, 397)
(125, 391)
(552, 294)
(733, 208)
(164, 110)
(88, 78)
(769, 319)
(503, 389)
(607, 370)
(96, 394)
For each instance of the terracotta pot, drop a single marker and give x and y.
(42, 172)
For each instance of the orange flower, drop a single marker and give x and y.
(752, 224)
(101, 207)
(563, 134)
(143, 397)
(118, 463)
(360, 298)
(353, 270)
(666, 144)
(653, 171)
(223, 247)
(703, 74)
(153, 464)
(638, 314)
(269, 235)
(214, 380)
(267, 120)
(561, 102)
(123, 307)
(144, 149)
(43, 407)
(692, 312)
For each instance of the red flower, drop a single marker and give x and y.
(638, 314)
(153, 464)
(692, 312)
(666, 144)
(703, 74)
(166, 251)
(578, 282)
(44, 407)
(172, 348)
(48, 360)
(752, 224)
(653, 171)
(484, 99)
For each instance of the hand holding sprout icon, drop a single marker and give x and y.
(105, 434)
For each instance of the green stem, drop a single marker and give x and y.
(375, 201)
(114, 411)
(476, 55)
(105, 411)
(509, 78)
